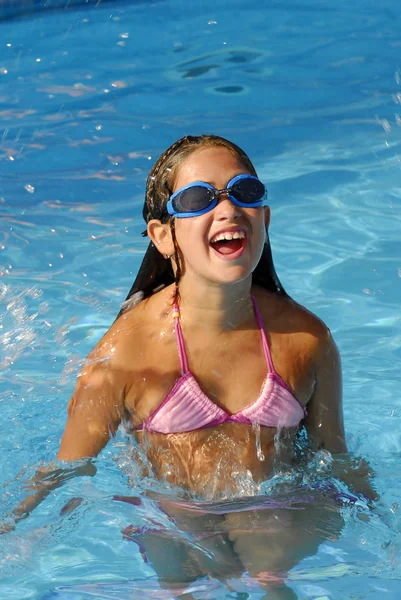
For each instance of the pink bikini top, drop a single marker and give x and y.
(187, 408)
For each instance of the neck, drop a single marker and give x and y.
(216, 306)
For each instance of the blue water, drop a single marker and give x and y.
(89, 97)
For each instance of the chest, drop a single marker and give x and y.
(230, 370)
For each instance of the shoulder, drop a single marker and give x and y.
(134, 330)
(286, 318)
(288, 314)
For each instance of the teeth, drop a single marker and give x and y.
(236, 235)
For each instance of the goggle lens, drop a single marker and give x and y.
(193, 199)
(248, 191)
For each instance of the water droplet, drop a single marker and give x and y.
(118, 84)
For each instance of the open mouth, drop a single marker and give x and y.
(227, 243)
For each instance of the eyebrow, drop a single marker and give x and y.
(213, 184)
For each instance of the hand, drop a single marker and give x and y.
(7, 525)
(356, 473)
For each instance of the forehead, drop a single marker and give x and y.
(214, 165)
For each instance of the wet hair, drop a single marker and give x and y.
(156, 271)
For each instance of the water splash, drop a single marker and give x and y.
(19, 321)
(259, 451)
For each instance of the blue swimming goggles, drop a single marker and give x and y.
(199, 197)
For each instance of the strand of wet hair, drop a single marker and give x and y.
(157, 168)
(177, 276)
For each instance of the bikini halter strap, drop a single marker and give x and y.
(265, 345)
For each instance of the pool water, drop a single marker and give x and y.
(90, 95)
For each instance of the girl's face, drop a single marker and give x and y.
(225, 244)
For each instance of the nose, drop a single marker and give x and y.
(226, 209)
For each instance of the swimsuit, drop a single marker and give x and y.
(188, 408)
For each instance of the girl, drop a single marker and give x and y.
(213, 368)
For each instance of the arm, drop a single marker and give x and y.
(94, 411)
(325, 424)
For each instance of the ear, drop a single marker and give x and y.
(160, 234)
(267, 216)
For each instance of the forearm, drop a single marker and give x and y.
(46, 480)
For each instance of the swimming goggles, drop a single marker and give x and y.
(199, 197)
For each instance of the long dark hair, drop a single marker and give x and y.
(156, 271)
